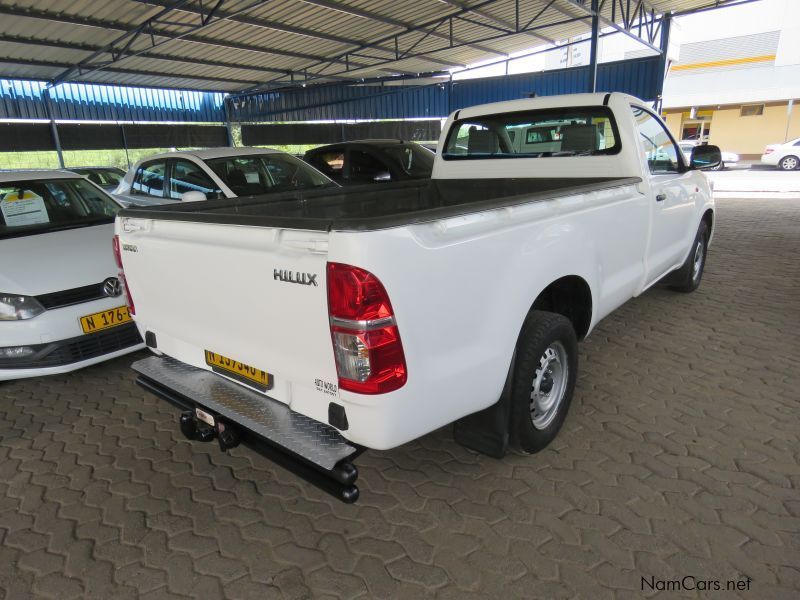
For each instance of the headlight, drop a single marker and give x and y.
(17, 308)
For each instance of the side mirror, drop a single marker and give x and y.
(383, 176)
(192, 196)
(705, 157)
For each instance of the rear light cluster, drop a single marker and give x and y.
(121, 275)
(366, 342)
(769, 150)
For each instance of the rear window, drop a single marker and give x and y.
(580, 131)
(38, 206)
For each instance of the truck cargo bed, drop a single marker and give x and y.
(376, 206)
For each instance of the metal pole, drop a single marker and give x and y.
(788, 119)
(228, 125)
(593, 46)
(666, 23)
(125, 144)
(53, 128)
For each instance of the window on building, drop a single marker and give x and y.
(751, 110)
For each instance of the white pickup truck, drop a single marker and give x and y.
(316, 324)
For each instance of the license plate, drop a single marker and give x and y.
(238, 370)
(105, 319)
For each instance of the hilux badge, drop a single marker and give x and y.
(295, 277)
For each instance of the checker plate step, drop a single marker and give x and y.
(316, 442)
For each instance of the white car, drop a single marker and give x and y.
(786, 155)
(330, 321)
(61, 303)
(215, 173)
(728, 158)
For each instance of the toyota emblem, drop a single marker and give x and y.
(112, 287)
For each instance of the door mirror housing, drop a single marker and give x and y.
(705, 157)
(383, 176)
(192, 196)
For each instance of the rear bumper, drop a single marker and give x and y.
(312, 450)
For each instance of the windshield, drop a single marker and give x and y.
(29, 207)
(581, 131)
(266, 173)
(414, 160)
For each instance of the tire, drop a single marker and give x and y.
(547, 357)
(789, 163)
(687, 278)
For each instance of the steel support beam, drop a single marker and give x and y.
(15, 39)
(53, 128)
(634, 18)
(593, 46)
(156, 33)
(666, 26)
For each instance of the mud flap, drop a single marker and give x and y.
(488, 431)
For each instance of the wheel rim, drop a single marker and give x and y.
(790, 163)
(697, 261)
(549, 385)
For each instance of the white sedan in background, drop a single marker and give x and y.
(215, 173)
(61, 304)
(786, 155)
(728, 158)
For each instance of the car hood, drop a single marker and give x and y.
(61, 260)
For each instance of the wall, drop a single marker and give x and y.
(639, 77)
(749, 135)
(745, 135)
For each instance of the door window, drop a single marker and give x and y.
(188, 177)
(331, 163)
(656, 144)
(364, 167)
(149, 179)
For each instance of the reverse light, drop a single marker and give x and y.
(14, 307)
(121, 275)
(366, 342)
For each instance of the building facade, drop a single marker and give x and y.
(740, 92)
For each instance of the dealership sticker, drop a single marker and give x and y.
(27, 209)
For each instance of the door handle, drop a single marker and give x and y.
(661, 197)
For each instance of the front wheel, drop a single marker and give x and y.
(544, 377)
(689, 275)
(789, 163)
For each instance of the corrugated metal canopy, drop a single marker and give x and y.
(236, 45)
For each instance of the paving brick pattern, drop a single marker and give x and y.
(679, 457)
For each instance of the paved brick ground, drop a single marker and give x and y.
(679, 457)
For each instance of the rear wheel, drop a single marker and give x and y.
(789, 163)
(543, 381)
(687, 278)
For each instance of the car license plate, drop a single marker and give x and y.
(105, 319)
(238, 370)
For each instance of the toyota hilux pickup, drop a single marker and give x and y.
(319, 323)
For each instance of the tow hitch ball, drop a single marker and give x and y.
(192, 429)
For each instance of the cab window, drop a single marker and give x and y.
(189, 177)
(655, 143)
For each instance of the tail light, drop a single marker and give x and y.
(366, 342)
(121, 275)
(769, 150)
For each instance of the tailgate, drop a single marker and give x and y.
(255, 295)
